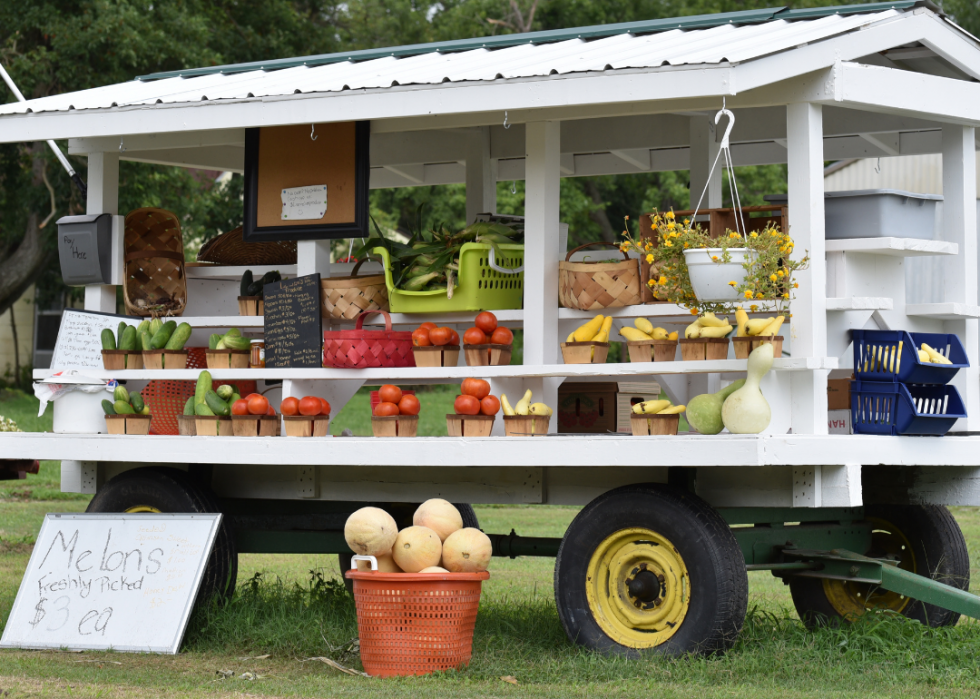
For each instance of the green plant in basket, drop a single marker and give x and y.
(429, 261)
(768, 280)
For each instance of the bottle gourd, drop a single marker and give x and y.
(746, 411)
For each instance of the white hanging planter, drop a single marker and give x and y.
(710, 279)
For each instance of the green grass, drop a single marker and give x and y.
(22, 409)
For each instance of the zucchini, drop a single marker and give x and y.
(162, 336)
(255, 289)
(108, 340)
(107, 407)
(246, 282)
(136, 400)
(189, 406)
(127, 340)
(123, 408)
(120, 394)
(203, 386)
(203, 409)
(214, 340)
(218, 406)
(180, 337)
(271, 277)
(224, 392)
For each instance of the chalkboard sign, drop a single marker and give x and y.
(293, 337)
(79, 344)
(121, 581)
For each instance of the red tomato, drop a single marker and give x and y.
(420, 337)
(478, 388)
(389, 393)
(466, 405)
(453, 337)
(429, 325)
(240, 407)
(486, 321)
(489, 405)
(309, 406)
(409, 405)
(257, 404)
(385, 409)
(324, 407)
(289, 406)
(440, 336)
(475, 336)
(502, 336)
(272, 411)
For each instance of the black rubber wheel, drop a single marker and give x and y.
(403, 517)
(925, 539)
(171, 490)
(651, 569)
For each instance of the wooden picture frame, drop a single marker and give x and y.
(339, 157)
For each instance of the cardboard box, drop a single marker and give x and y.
(630, 393)
(587, 407)
(839, 422)
(839, 394)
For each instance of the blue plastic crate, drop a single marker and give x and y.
(879, 407)
(878, 356)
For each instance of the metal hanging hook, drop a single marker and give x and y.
(312, 132)
(731, 123)
(506, 124)
(122, 146)
(513, 187)
(878, 167)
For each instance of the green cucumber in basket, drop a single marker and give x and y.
(108, 340)
(123, 408)
(225, 392)
(203, 386)
(237, 343)
(154, 327)
(189, 406)
(107, 407)
(145, 342)
(120, 394)
(203, 410)
(214, 340)
(218, 406)
(136, 400)
(180, 337)
(127, 340)
(233, 332)
(162, 336)
(119, 333)
(246, 282)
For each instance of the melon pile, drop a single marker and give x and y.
(437, 541)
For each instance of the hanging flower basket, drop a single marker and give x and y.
(712, 276)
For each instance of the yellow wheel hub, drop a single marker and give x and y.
(141, 508)
(852, 599)
(638, 588)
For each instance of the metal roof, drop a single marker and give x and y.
(739, 38)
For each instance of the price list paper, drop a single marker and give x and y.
(121, 581)
(304, 203)
(79, 344)
(293, 326)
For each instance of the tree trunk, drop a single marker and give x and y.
(599, 216)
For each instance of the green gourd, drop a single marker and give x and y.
(747, 411)
(704, 411)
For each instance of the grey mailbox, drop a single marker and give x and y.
(85, 249)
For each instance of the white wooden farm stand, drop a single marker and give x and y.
(806, 86)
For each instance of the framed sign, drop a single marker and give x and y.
(306, 182)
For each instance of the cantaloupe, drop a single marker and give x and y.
(467, 551)
(370, 532)
(440, 516)
(416, 548)
(386, 564)
(434, 569)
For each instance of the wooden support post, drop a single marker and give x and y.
(481, 175)
(808, 326)
(704, 150)
(103, 198)
(313, 256)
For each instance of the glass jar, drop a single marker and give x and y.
(257, 360)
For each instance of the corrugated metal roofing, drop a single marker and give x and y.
(727, 42)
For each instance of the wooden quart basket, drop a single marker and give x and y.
(652, 350)
(469, 425)
(255, 425)
(128, 424)
(156, 283)
(646, 425)
(446, 355)
(395, 426)
(187, 425)
(305, 426)
(227, 359)
(582, 353)
(251, 306)
(526, 425)
(592, 286)
(699, 349)
(344, 298)
(164, 359)
(487, 355)
(213, 426)
(118, 360)
(743, 346)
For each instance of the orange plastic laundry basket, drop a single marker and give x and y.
(415, 623)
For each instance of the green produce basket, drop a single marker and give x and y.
(479, 288)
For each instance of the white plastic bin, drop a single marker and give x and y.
(78, 412)
(876, 213)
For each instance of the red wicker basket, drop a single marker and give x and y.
(361, 349)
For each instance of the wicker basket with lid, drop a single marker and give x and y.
(155, 284)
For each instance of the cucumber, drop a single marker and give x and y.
(107, 407)
(108, 340)
(255, 289)
(234, 388)
(203, 409)
(189, 406)
(214, 340)
(139, 342)
(136, 400)
(218, 406)
(246, 282)
(233, 332)
(271, 277)
(127, 341)
(237, 343)
(221, 344)
(162, 336)
(234, 398)
(120, 394)
(145, 342)
(155, 326)
(225, 392)
(144, 325)
(119, 333)
(203, 386)
(123, 408)
(180, 337)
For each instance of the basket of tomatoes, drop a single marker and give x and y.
(435, 346)
(252, 416)
(308, 416)
(486, 343)
(361, 349)
(396, 414)
(475, 410)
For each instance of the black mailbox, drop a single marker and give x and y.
(85, 249)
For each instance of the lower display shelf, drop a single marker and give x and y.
(587, 450)
(407, 375)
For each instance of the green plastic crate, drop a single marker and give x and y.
(479, 288)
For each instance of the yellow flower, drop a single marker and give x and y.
(753, 308)
(627, 218)
(649, 258)
(796, 286)
(648, 246)
(670, 215)
(662, 281)
(650, 282)
(687, 221)
(671, 226)
(758, 295)
(748, 294)
(773, 233)
(782, 249)
(694, 311)
(668, 244)
(786, 296)
(653, 226)
(733, 235)
(753, 234)
(714, 257)
(685, 245)
(780, 272)
(731, 284)
(624, 248)
(773, 277)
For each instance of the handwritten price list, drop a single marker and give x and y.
(293, 327)
(79, 344)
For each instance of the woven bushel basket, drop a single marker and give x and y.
(230, 249)
(592, 286)
(154, 259)
(344, 298)
(359, 348)
(167, 398)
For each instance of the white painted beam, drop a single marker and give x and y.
(223, 158)
(481, 176)
(415, 174)
(882, 143)
(639, 158)
(703, 152)
(102, 198)
(159, 141)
